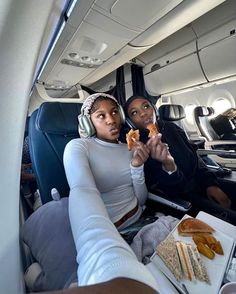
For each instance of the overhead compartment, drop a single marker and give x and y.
(217, 52)
(201, 52)
(180, 74)
(218, 60)
(176, 19)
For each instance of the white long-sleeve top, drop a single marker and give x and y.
(103, 169)
(102, 254)
(99, 174)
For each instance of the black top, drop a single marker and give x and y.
(191, 169)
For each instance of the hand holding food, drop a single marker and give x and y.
(132, 137)
(140, 154)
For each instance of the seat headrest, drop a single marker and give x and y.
(58, 118)
(171, 112)
(203, 111)
(211, 110)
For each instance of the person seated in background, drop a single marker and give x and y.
(98, 164)
(180, 172)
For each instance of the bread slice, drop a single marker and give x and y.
(190, 226)
(168, 253)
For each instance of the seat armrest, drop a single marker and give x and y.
(209, 144)
(222, 153)
(178, 204)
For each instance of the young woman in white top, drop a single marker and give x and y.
(100, 165)
(100, 170)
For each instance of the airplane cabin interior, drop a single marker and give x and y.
(178, 53)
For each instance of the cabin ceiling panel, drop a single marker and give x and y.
(92, 41)
(76, 18)
(137, 14)
(179, 75)
(59, 6)
(97, 39)
(119, 59)
(65, 75)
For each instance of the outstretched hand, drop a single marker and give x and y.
(160, 152)
(216, 194)
(140, 154)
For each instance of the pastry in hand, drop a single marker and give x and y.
(152, 130)
(132, 137)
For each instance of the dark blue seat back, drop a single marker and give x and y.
(202, 115)
(171, 112)
(51, 127)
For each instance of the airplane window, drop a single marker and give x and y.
(189, 113)
(220, 105)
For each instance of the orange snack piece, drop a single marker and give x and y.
(197, 238)
(205, 250)
(132, 137)
(152, 130)
(218, 248)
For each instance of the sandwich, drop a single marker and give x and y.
(199, 268)
(152, 130)
(190, 226)
(191, 262)
(168, 253)
(182, 259)
(132, 137)
(185, 260)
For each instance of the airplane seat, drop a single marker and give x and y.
(220, 150)
(204, 127)
(51, 127)
(224, 127)
(175, 113)
(171, 112)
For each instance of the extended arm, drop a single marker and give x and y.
(102, 254)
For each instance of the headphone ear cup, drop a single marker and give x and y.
(122, 114)
(87, 125)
